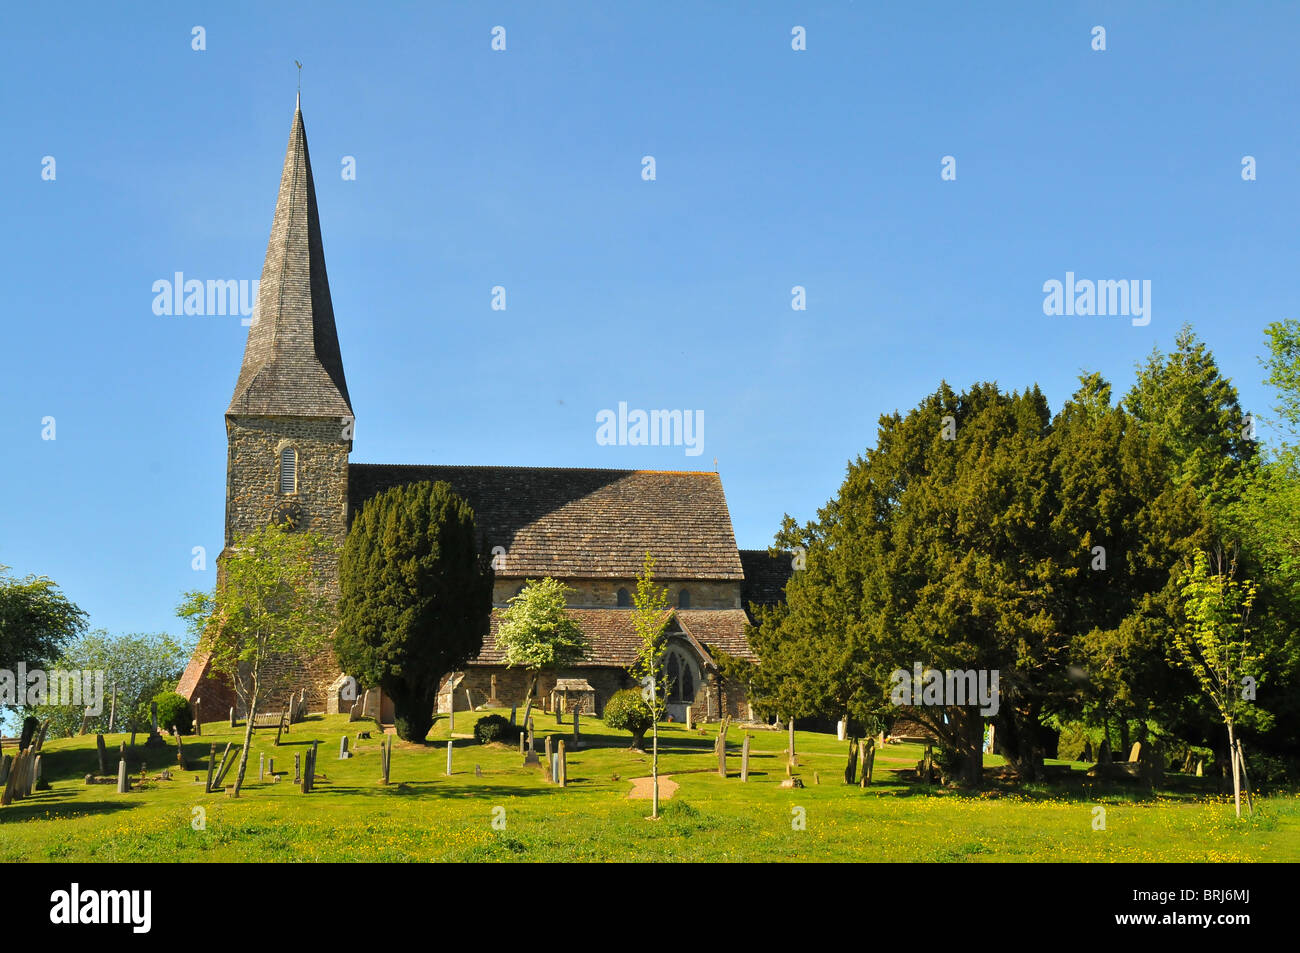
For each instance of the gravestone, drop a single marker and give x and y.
(123, 782)
(212, 763)
(155, 739)
(344, 754)
(1135, 754)
(842, 729)
(198, 720)
(297, 769)
(449, 758)
(492, 702)
(851, 769)
(180, 750)
(744, 760)
(261, 765)
(103, 754)
(521, 742)
(690, 719)
(232, 717)
(562, 759)
(36, 775)
(577, 735)
(5, 761)
(513, 710)
(530, 756)
(792, 761)
(550, 765)
(478, 771)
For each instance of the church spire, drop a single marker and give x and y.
(292, 365)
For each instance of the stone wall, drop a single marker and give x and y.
(603, 593)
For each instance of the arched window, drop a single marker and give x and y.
(288, 470)
(624, 600)
(674, 681)
(684, 599)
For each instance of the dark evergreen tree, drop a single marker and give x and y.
(416, 597)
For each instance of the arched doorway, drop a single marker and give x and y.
(684, 676)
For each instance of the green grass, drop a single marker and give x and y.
(424, 815)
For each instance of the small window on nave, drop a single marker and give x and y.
(288, 470)
(684, 599)
(624, 599)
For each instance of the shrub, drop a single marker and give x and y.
(628, 711)
(492, 728)
(174, 712)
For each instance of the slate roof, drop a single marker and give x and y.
(765, 577)
(614, 640)
(292, 365)
(579, 523)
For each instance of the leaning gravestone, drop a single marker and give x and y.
(549, 767)
(103, 754)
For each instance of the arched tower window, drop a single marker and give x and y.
(288, 470)
(684, 599)
(624, 600)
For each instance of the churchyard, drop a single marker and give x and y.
(494, 807)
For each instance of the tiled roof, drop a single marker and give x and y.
(719, 629)
(614, 640)
(765, 577)
(292, 364)
(576, 523)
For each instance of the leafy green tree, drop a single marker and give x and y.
(137, 666)
(1194, 410)
(626, 710)
(36, 619)
(537, 634)
(269, 602)
(1120, 529)
(416, 597)
(1215, 644)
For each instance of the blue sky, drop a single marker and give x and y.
(522, 168)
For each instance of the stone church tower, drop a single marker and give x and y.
(289, 423)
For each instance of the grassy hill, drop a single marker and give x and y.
(425, 815)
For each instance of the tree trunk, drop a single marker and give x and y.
(1236, 775)
(528, 702)
(248, 743)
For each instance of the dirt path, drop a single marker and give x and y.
(643, 788)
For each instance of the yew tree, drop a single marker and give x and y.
(415, 597)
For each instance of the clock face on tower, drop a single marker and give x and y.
(288, 514)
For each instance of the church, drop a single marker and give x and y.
(289, 432)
